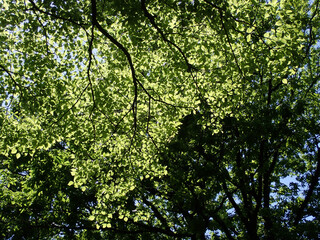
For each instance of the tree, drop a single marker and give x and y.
(146, 119)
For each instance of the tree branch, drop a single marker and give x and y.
(157, 213)
(11, 77)
(126, 53)
(163, 36)
(229, 42)
(313, 183)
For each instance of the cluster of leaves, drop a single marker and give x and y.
(158, 119)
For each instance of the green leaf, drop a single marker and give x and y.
(70, 183)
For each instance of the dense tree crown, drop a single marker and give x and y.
(159, 119)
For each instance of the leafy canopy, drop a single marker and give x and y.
(151, 119)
